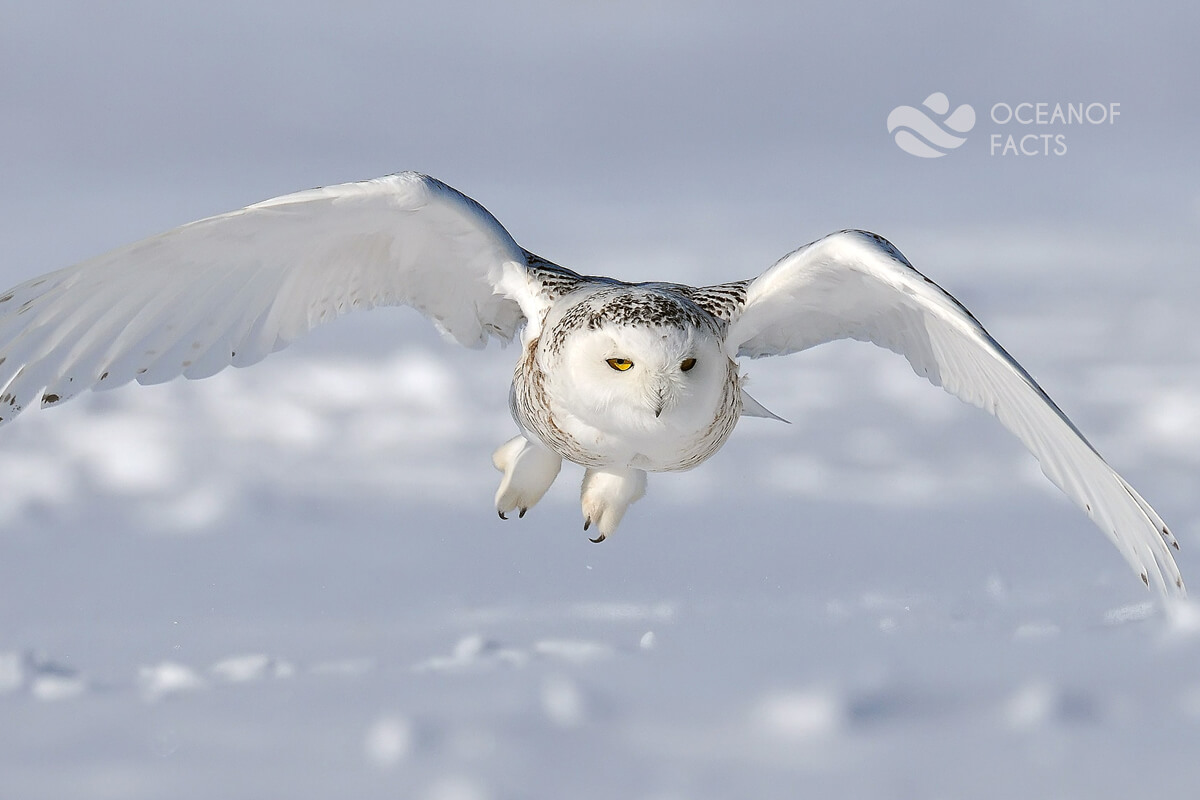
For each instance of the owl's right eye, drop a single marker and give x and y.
(620, 364)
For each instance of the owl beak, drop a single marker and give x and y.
(662, 402)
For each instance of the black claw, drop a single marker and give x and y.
(587, 523)
(598, 539)
(501, 513)
(522, 514)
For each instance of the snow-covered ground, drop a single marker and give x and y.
(289, 581)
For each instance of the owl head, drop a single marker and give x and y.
(641, 365)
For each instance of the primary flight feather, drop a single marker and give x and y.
(621, 378)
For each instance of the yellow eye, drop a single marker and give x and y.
(620, 364)
(687, 364)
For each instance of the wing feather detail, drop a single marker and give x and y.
(856, 285)
(233, 288)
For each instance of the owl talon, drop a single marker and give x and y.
(598, 539)
(528, 469)
(606, 494)
(521, 515)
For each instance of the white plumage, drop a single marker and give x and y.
(620, 378)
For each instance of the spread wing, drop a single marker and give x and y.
(856, 285)
(233, 288)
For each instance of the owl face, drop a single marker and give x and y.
(643, 376)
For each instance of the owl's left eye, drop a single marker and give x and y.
(620, 364)
(687, 364)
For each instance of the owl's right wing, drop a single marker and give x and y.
(233, 288)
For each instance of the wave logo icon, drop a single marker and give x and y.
(918, 133)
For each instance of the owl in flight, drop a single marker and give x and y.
(620, 378)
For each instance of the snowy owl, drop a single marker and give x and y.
(620, 378)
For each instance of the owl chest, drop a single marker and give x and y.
(539, 410)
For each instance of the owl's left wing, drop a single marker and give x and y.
(856, 285)
(233, 288)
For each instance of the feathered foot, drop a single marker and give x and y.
(607, 494)
(529, 470)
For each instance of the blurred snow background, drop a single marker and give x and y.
(289, 581)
